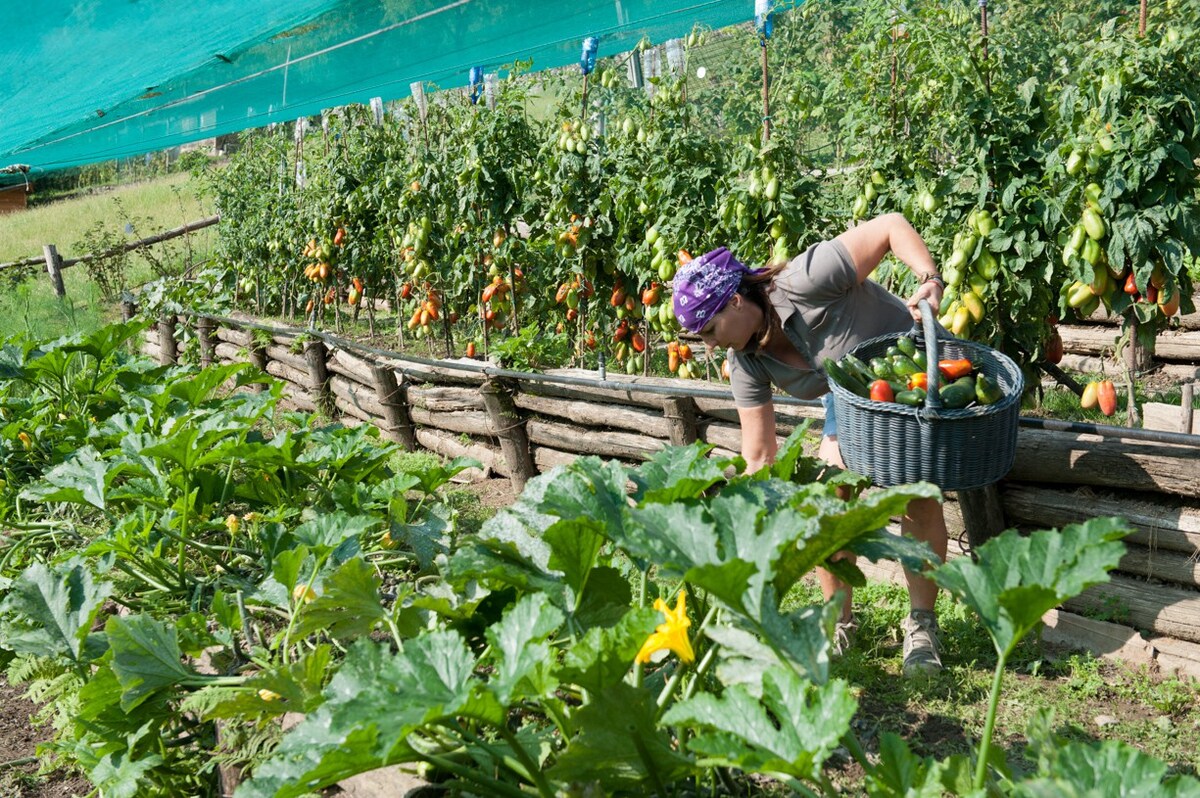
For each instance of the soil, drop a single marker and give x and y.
(493, 494)
(18, 741)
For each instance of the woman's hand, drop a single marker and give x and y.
(931, 291)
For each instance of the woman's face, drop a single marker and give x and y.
(734, 326)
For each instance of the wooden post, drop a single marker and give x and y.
(166, 340)
(54, 269)
(258, 358)
(398, 424)
(1185, 408)
(510, 429)
(983, 514)
(206, 331)
(317, 357)
(680, 412)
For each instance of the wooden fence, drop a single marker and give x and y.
(517, 425)
(55, 263)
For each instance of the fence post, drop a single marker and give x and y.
(680, 412)
(128, 307)
(168, 348)
(983, 514)
(510, 429)
(257, 353)
(206, 331)
(54, 269)
(317, 356)
(1185, 407)
(398, 424)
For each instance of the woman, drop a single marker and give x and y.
(778, 323)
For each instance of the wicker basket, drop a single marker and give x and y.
(954, 449)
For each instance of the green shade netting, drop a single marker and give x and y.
(83, 81)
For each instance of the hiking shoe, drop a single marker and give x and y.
(843, 636)
(921, 643)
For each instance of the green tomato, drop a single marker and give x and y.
(1074, 162)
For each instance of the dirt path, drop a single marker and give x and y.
(18, 741)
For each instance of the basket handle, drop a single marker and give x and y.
(933, 399)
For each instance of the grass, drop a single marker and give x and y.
(1060, 403)
(29, 306)
(153, 206)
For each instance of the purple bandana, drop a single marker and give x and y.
(704, 286)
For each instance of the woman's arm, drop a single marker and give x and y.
(870, 241)
(758, 435)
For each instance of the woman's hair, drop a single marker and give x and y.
(755, 288)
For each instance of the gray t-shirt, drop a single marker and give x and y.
(836, 314)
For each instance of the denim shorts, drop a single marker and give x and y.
(830, 430)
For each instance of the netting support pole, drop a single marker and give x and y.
(766, 83)
(983, 29)
(1142, 14)
(583, 109)
(54, 269)
(892, 96)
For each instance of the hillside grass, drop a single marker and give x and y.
(28, 306)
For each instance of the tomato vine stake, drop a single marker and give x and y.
(983, 29)
(587, 63)
(762, 22)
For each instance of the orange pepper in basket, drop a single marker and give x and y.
(953, 369)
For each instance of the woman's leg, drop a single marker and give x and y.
(830, 584)
(926, 522)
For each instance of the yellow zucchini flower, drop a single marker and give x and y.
(672, 634)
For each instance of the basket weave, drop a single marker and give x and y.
(955, 449)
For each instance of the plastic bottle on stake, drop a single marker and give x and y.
(762, 18)
(587, 59)
(476, 83)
